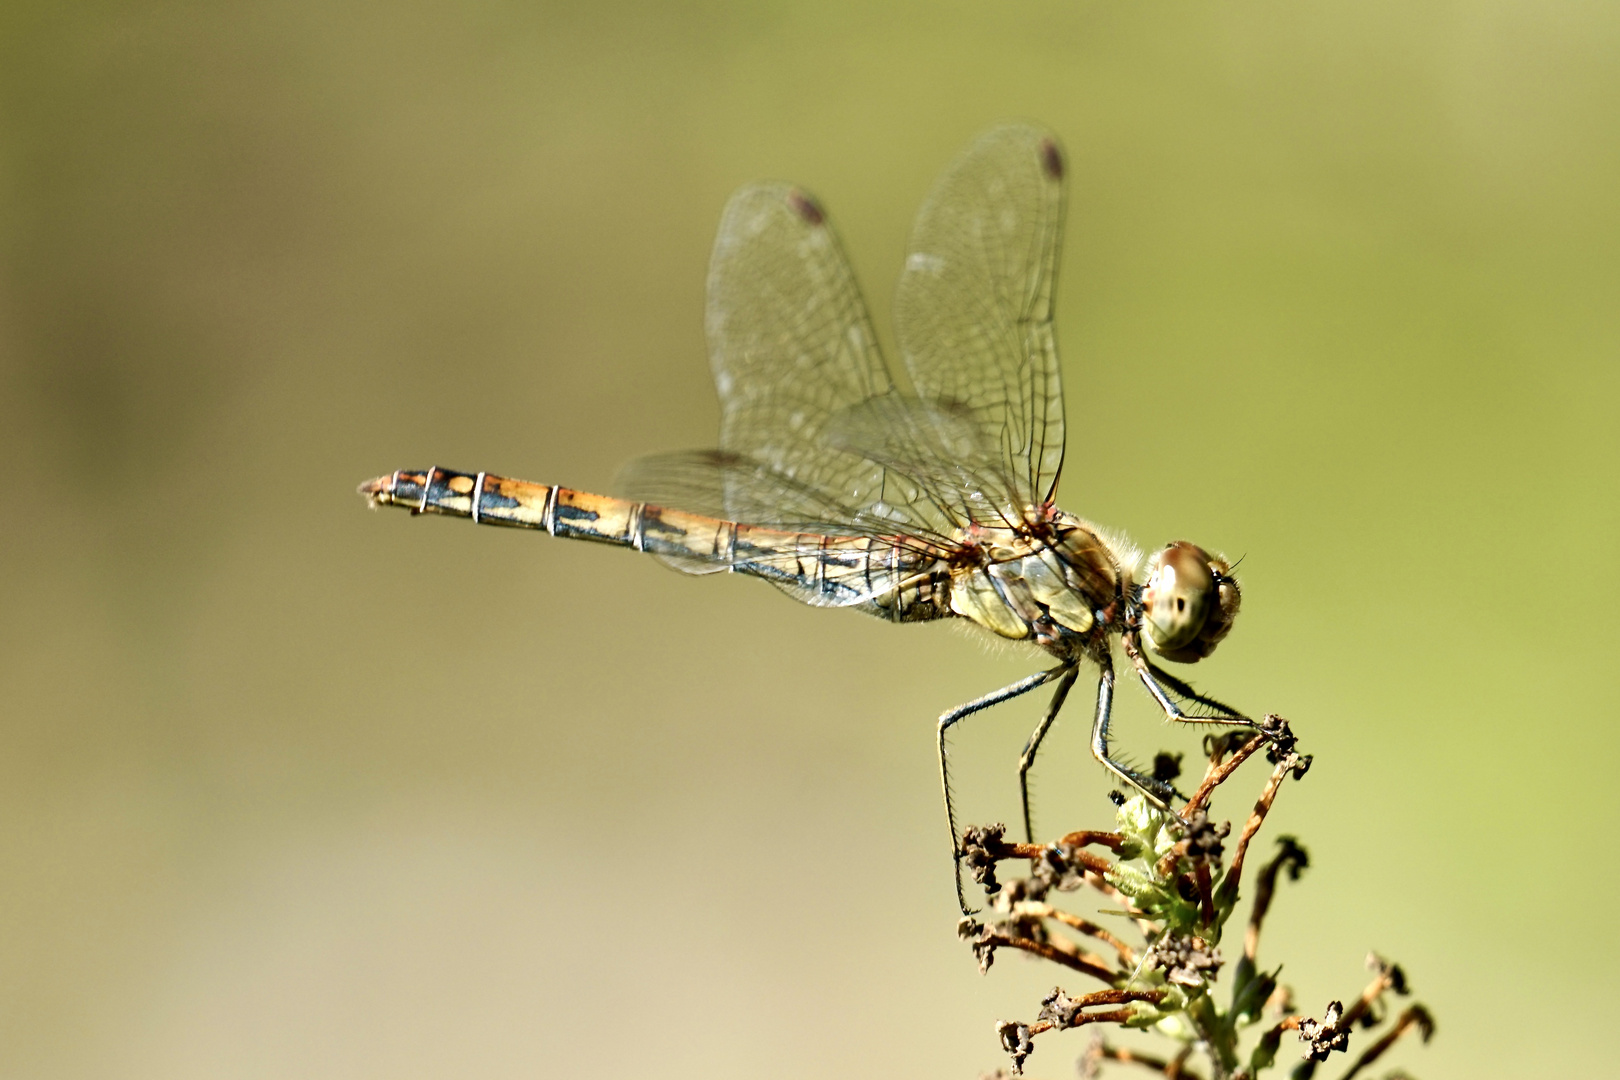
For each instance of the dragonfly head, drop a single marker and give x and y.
(1189, 602)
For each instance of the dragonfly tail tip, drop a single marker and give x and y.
(375, 489)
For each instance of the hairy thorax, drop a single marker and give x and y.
(1056, 582)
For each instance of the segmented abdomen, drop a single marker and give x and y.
(894, 577)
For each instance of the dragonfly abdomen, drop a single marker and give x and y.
(880, 575)
(499, 500)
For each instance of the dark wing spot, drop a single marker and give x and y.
(1051, 159)
(806, 207)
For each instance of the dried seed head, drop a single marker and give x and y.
(1186, 960)
(1016, 1040)
(1324, 1037)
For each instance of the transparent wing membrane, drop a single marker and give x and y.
(791, 346)
(974, 306)
(814, 436)
(736, 487)
(940, 449)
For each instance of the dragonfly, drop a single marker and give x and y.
(913, 502)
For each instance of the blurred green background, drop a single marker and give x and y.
(291, 788)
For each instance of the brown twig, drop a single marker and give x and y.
(1074, 1016)
(1113, 841)
(1414, 1016)
(1388, 976)
(1113, 1016)
(1170, 1067)
(1040, 909)
(1217, 774)
(1272, 1039)
(1078, 962)
(1206, 905)
(1257, 816)
(1167, 865)
(1100, 1051)
(1095, 863)
(1266, 887)
(1064, 945)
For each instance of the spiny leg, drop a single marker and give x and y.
(1156, 679)
(946, 720)
(1157, 792)
(1033, 747)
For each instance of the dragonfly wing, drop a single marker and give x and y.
(941, 450)
(790, 341)
(737, 487)
(973, 309)
(792, 348)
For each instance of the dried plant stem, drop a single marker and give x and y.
(1095, 863)
(1169, 1067)
(1112, 1016)
(1041, 910)
(1046, 951)
(1167, 865)
(1206, 903)
(1266, 887)
(1064, 945)
(1113, 841)
(1171, 876)
(1414, 1016)
(1217, 774)
(1099, 997)
(1384, 980)
(1257, 817)
(1177, 1067)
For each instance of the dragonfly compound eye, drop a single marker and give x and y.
(1189, 602)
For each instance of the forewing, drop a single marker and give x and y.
(792, 348)
(790, 342)
(973, 309)
(941, 450)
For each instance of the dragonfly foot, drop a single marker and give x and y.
(1284, 744)
(979, 850)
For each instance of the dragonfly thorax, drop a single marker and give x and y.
(1060, 585)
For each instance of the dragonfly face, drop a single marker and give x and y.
(844, 490)
(1189, 602)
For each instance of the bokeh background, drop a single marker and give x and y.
(291, 788)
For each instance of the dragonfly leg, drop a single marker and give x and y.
(1160, 684)
(1157, 792)
(1033, 747)
(950, 718)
